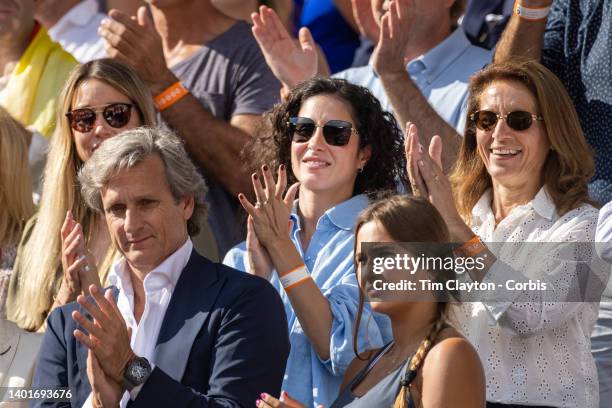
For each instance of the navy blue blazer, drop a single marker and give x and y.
(223, 342)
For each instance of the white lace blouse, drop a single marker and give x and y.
(534, 353)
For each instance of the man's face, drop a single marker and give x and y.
(15, 16)
(145, 222)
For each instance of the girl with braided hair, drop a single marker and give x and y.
(428, 363)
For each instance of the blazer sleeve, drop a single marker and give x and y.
(250, 351)
(51, 371)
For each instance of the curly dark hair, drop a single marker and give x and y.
(376, 127)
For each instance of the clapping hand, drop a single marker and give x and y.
(426, 176)
(395, 36)
(291, 63)
(368, 27)
(270, 215)
(258, 258)
(78, 264)
(105, 392)
(107, 334)
(134, 41)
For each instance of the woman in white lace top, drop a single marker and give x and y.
(521, 179)
(15, 195)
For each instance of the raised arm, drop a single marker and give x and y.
(291, 63)
(212, 143)
(409, 104)
(523, 37)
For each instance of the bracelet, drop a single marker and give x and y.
(170, 96)
(472, 247)
(294, 277)
(531, 14)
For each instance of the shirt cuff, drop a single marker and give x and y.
(88, 403)
(500, 272)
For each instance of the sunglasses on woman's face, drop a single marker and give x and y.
(335, 132)
(117, 115)
(517, 120)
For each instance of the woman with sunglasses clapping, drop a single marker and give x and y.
(334, 145)
(65, 246)
(518, 200)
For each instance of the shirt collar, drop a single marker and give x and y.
(79, 15)
(442, 55)
(342, 215)
(542, 204)
(165, 275)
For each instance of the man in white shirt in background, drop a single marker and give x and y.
(74, 25)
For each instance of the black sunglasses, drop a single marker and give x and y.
(335, 132)
(117, 115)
(517, 120)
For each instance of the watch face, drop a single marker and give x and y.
(139, 370)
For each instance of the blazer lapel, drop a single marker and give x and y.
(192, 300)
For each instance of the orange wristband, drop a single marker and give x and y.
(473, 247)
(294, 277)
(170, 96)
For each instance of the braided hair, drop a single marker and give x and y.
(401, 401)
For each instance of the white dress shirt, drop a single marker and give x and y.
(77, 32)
(159, 285)
(535, 353)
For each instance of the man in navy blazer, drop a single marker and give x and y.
(201, 334)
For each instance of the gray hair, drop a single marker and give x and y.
(130, 148)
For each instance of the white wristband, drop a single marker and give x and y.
(532, 14)
(294, 277)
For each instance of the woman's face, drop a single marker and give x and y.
(319, 166)
(98, 95)
(384, 263)
(512, 157)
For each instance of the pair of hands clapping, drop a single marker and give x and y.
(427, 178)
(268, 222)
(293, 62)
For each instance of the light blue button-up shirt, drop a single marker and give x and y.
(442, 74)
(329, 259)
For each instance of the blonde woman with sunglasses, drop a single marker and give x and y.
(100, 99)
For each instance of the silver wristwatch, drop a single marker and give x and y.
(136, 372)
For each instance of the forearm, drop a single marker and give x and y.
(523, 37)
(310, 306)
(409, 105)
(213, 144)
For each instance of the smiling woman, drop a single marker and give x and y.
(100, 99)
(521, 179)
(334, 139)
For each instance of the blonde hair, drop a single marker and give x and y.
(569, 164)
(15, 182)
(39, 262)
